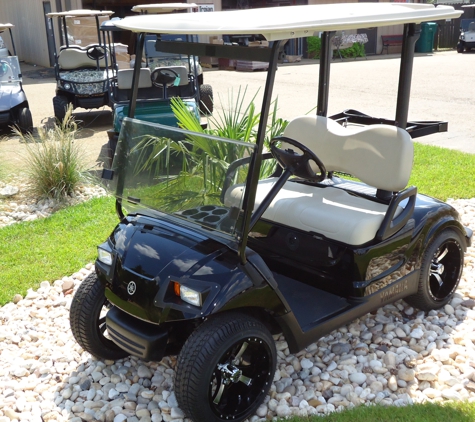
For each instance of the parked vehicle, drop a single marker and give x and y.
(218, 251)
(14, 108)
(467, 35)
(83, 69)
(163, 75)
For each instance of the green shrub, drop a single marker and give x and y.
(314, 46)
(54, 163)
(356, 50)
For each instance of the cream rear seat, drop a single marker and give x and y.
(74, 58)
(124, 78)
(379, 155)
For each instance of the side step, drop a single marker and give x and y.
(316, 313)
(310, 305)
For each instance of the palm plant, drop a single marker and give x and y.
(203, 162)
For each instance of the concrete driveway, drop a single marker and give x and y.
(442, 89)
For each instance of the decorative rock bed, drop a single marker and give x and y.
(395, 356)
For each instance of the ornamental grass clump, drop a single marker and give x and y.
(55, 164)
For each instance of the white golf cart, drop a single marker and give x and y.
(14, 108)
(83, 66)
(222, 243)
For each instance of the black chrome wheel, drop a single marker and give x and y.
(441, 269)
(225, 369)
(88, 320)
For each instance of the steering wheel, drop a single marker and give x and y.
(164, 76)
(299, 164)
(96, 52)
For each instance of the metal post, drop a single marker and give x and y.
(324, 76)
(410, 36)
(256, 159)
(136, 75)
(13, 43)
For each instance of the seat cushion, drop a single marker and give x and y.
(331, 212)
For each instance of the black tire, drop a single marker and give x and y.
(88, 321)
(459, 48)
(441, 269)
(206, 99)
(60, 106)
(25, 120)
(225, 369)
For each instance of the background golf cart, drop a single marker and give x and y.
(163, 76)
(14, 108)
(215, 256)
(83, 65)
(467, 35)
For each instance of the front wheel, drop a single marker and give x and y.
(459, 48)
(25, 121)
(225, 368)
(206, 99)
(88, 320)
(441, 269)
(60, 106)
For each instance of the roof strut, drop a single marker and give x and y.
(136, 74)
(256, 159)
(410, 36)
(324, 76)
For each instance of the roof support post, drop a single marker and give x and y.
(13, 42)
(410, 36)
(324, 73)
(256, 159)
(136, 74)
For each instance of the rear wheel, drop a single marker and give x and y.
(225, 369)
(25, 121)
(60, 106)
(206, 99)
(88, 320)
(441, 269)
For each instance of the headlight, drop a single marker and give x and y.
(190, 296)
(104, 256)
(67, 86)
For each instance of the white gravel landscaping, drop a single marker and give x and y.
(396, 356)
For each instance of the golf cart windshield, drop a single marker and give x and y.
(467, 25)
(168, 172)
(10, 70)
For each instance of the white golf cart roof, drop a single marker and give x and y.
(80, 13)
(4, 26)
(163, 7)
(285, 22)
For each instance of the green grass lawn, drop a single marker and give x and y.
(50, 248)
(60, 245)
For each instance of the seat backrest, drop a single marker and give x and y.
(124, 78)
(379, 155)
(76, 58)
(181, 71)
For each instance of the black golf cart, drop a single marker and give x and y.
(83, 66)
(164, 75)
(222, 243)
(14, 108)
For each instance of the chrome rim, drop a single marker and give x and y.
(445, 270)
(240, 379)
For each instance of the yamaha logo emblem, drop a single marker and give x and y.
(131, 288)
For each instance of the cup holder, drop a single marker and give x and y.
(210, 215)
